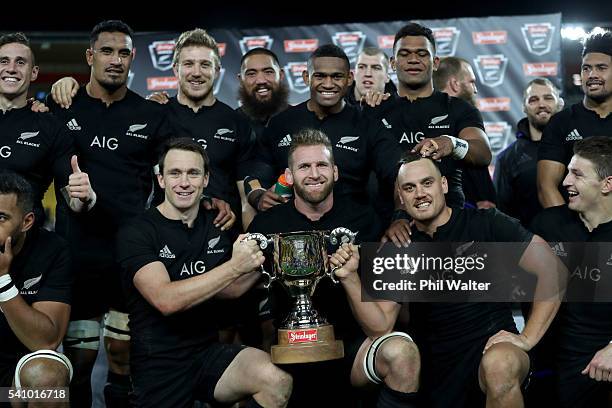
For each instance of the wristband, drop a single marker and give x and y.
(7, 289)
(460, 147)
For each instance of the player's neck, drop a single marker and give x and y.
(13, 103)
(208, 100)
(414, 93)
(598, 215)
(187, 216)
(314, 212)
(534, 134)
(97, 91)
(603, 108)
(323, 111)
(431, 226)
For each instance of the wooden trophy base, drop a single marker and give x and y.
(307, 345)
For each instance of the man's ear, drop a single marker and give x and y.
(35, 71)
(606, 186)
(444, 185)
(288, 176)
(160, 181)
(89, 56)
(28, 221)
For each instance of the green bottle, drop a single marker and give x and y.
(283, 188)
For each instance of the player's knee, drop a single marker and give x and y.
(277, 384)
(400, 359)
(500, 371)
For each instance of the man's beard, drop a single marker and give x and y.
(467, 96)
(111, 86)
(311, 198)
(538, 124)
(262, 110)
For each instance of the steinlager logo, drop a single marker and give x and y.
(302, 336)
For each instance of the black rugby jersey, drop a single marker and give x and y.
(41, 272)
(566, 127)
(117, 145)
(186, 253)
(583, 326)
(432, 116)
(227, 137)
(329, 298)
(359, 145)
(37, 146)
(445, 325)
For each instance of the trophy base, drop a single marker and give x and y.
(307, 345)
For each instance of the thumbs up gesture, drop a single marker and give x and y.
(79, 186)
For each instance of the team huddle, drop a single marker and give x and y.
(155, 196)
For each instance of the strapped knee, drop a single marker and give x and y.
(83, 334)
(48, 354)
(369, 360)
(116, 325)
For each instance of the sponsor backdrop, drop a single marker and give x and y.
(505, 52)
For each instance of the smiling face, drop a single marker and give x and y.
(421, 190)
(16, 71)
(541, 102)
(414, 61)
(596, 76)
(260, 76)
(110, 60)
(312, 173)
(584, 186)
(196, 69)
(183, 179)
(329, 81)
(371, 73)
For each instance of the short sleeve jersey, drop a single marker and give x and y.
(227, 137)
(359, 145)
(446, 323)
(433, 116)
(568, 126)
(185, 253)
(41, 272)
(37, 146)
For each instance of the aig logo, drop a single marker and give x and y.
(193, 267)
(5, 152)
(110, 143)
(412, 137)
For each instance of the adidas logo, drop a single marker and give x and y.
(387, 124)
(73, 125)
(285, 141)
(559, 250)
(166, 253)
(573, 135)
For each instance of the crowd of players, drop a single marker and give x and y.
(153, 197)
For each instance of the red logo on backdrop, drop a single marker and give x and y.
(302, 336)
(222, 47)
(161, 53)
(162, 83)
(305, 45)
(540, 69)
(248, 43)
(494, 104)
(446, 40)
(538, 37)
(489, 37)
(385, 41)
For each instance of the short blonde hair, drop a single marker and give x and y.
(196, 38)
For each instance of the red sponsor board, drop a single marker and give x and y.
(539, 69)
(385, 41)
(222, 47)
(489, 37)
(302, 336)
(493, 104)
(304, 45)
(162, 83)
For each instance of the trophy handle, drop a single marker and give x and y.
(263, 242)
(337, 237)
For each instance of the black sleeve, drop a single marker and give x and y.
(263, 164)
(503, 183)
(466, 116)
(246, 147)
(62, 150)
(57, 284)
(477, 183)
(553, 146)
(383, 154)
(135, 248)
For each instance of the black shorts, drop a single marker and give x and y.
(96, 290)
(7, 373)
(175, 383)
